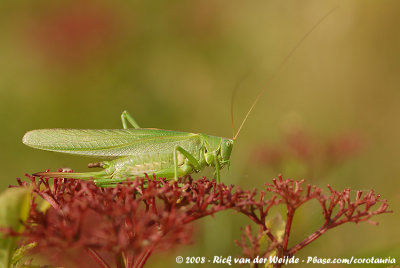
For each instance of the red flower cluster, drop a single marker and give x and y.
(134, 219)
(337, 208)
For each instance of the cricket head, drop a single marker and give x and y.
(226, 150)
(217, 149)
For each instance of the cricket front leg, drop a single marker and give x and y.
(192, 161)
(126, 117)
(217, 167)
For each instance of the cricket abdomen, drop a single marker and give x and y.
(149, 163)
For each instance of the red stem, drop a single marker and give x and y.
(289, 220)
(49, 199)
(283, 249)
(97, 258)
(255, 219)
(144, 258)
(119, 258)
(129, 260)
(308, 240)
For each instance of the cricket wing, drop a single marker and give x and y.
(107, 143)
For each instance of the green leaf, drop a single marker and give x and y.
(14, 207)
(277, 226)
(20, 253)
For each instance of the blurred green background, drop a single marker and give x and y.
(174, 64)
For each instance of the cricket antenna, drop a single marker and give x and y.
(237, 86)
(276, 71)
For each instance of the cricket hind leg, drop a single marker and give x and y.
(167, 173)
(127, 118)
(75, 175)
